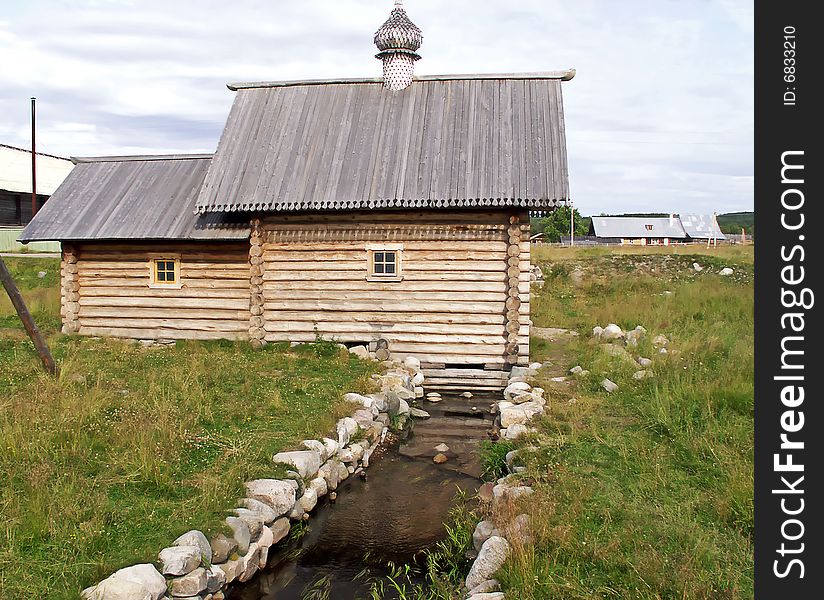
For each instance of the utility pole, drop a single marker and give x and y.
(571, 225)
(33, 160)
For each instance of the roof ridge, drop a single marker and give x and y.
(563, 75)
(138, 157)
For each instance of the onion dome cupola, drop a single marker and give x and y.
(398, 39)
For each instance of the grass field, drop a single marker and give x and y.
(131, 447)
(646, 492)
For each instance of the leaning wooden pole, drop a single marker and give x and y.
(25, 316)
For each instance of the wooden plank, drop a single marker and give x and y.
(167, 324)
(360, 275)
(495, 342)
(204, 303)
(166, 313)
(388, 318)
(381, 329)
(145, 333)
(401, 296)
(219, 287)
(386, 306)
(408, 246)
(377, 287)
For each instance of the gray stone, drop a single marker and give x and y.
(642, 374)
(179, 560)
(241, 533)
(309, 500)
(660, 340)
(609, 385)
(307, 462)
(491, 557)
(418, 413)
(280, 495)
(519, 414)
(189, 585)
(412, 363)
(319, 485)
(516, 430)
(403, 407)
(196, 538)
(363, 417)
(597, 332)
(231, 569)
(487, 596)
(249, 564)
(354, 398)
(280, 529)
(360, 351)
(331, 446)
(266, 512)
(252, 519)
(483, 531)
(222, 548)
(576, 370)
(618, 352)
(504, 493)
(517, 388)
(329, 472)
(644, 362)
(215, 579)
(418, 391)
(145, 575)
(41, 274)
(725, 272)
(520, 531)
(635, 336)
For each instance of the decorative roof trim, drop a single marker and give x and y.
(138, 157)
(563, 75)
(394, 203)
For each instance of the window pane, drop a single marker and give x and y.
(378, 267)
(170, 276)
(161, 276)
(390, 268)
(378, 257)
(390, 257)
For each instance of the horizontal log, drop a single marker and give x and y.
(379, 304)
(175, 312)
(401, 295)
(166, 324)
(291, 255)
(147, 333)
(457, 217)
(498, 246)
(377, 287)
(393, 338)
(204, 303)
(360, 275)
(439, 265)
(334, 315)
(381, 329)
(466, 373)
(187, 291)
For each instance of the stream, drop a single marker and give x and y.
(392, 515)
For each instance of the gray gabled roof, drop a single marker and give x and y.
(638, 227)
(137, 197)
(702, 227)
(443, 142)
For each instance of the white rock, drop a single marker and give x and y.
(196, 538)
(117, 589)
(412, 363)
(515, 431)
(145, 575)
(518, 387)
(597, 332)
(698, 268)
(363, 417)
(504, 492)
(576, 370)
(519, 414)
(442, 448)
(254, 521)
(485, 587)
(418, 413)
(307, 462)
(609, 385)
(403, 408)
(644, 362)
(417, 379)
(725, 272)
(660, 340)
(266, 512)
(483, 531)
(524, 372)
(360, 351)
(316, 446)
(319, 485)
(266, 538)
(612, 332)
(418, 392)
(215, 579)
(280, 495)
(309, 500)
(491, 557)
(346, 428)
(663, 351)
(487, 596)
(280, 529)
(331, 446)
(642, 374)
(467, 394)
(189, 585)
(536, 366)
(354, 398)
(179, 560)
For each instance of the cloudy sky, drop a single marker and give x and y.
(659, 116)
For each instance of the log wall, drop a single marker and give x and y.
(113, 297)
(451, 309)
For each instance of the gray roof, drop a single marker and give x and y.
(443, 142)
(140, 197)
(638, 227)
(702, 227)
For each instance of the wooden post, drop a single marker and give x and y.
(25, 316)
(257, 333)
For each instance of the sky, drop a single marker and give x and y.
(659, 117)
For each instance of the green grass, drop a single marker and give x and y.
(645, 493)
(131, 447)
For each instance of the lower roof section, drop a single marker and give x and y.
(128, 198)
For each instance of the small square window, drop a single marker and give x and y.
(165, 272)
(384, 264)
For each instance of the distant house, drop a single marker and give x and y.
(655, 231)
(389, 212)
(638, 231)
(15, 189)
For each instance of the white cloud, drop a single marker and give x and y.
(659, 116)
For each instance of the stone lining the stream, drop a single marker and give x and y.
(196, 568)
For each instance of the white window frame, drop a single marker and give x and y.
(370, 260)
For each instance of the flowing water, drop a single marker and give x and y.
(391, 516)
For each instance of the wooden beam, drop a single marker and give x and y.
(28, 322)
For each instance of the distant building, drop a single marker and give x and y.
(15, 190)
(654, 231)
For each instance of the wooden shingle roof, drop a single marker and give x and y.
(444, 142)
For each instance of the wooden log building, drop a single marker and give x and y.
(349, 209)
